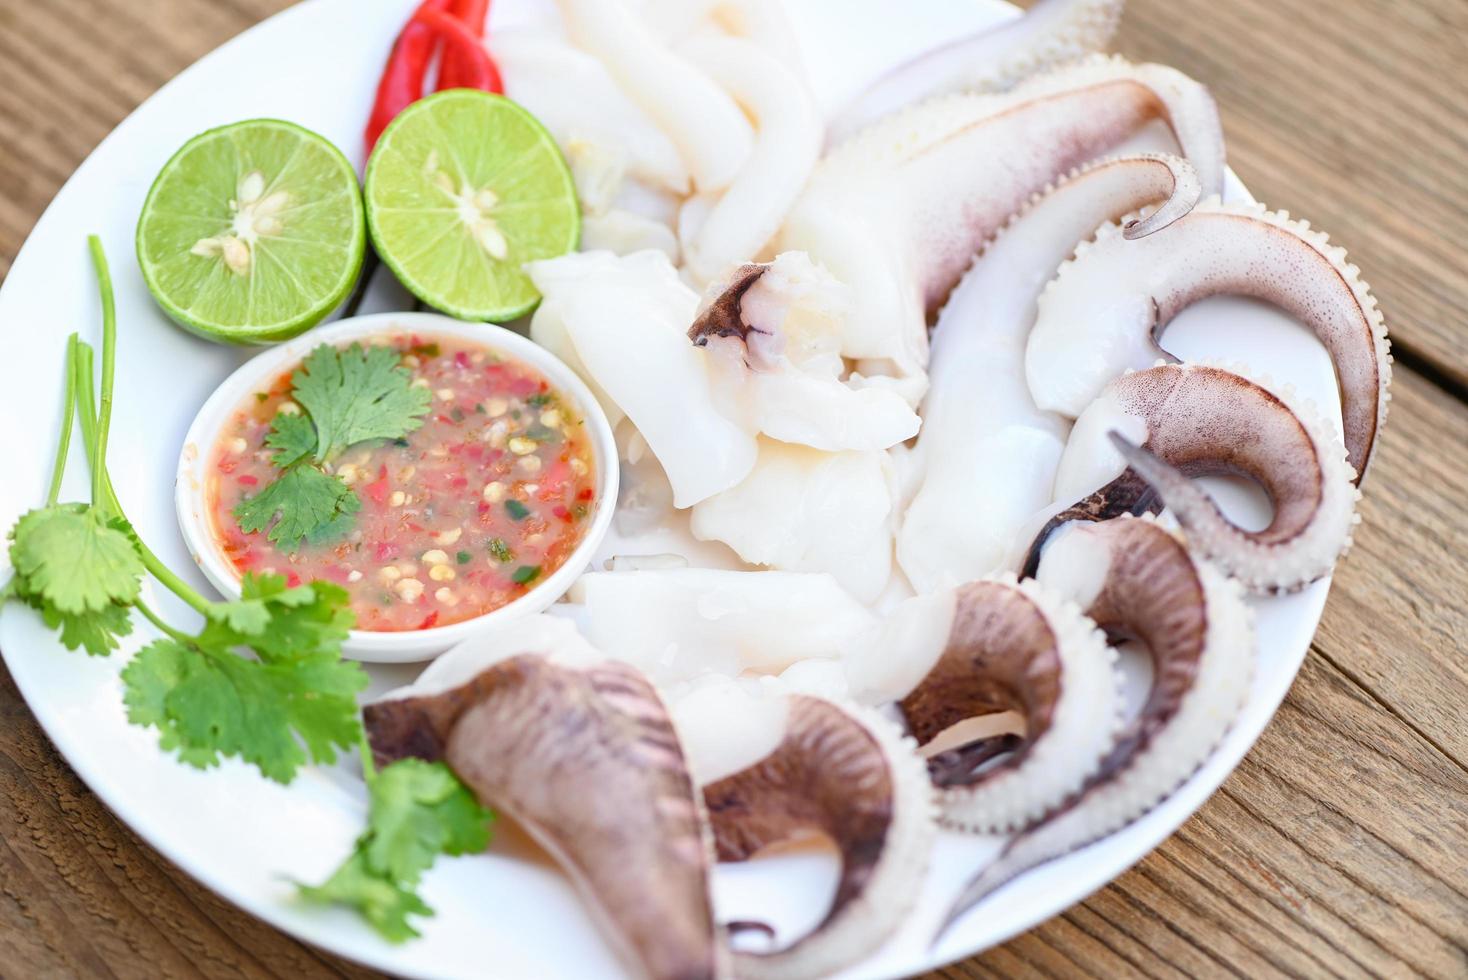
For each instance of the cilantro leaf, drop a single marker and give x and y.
(308, 503)
(384, 903)
(418, 810)
(281, 623)
(297, 700)
(249, 615)
(97, 632)
(72, 559)
(293, 437)
(350, 396)
(210, 702)
(357, 394)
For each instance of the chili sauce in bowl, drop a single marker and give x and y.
(490, 507)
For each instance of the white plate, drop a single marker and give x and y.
(507, 913)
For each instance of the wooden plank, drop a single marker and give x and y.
(81, 895)
(1350, 114)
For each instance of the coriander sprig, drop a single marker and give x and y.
(81, 565)
(416, 811)
(349, 397)
(262, 679)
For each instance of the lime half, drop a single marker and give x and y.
(253, 232)
(463, 189)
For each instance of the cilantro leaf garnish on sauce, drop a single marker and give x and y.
(349, 396)
(357, 394)
(293, 438)
(307, 502)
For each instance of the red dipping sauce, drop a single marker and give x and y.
(469, 512)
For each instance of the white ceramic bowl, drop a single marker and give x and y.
(409, 645)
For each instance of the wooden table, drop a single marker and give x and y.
(1340, 846)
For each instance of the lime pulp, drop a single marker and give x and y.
(463, 188)
(253, 232)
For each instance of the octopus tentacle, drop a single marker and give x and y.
(849, 774)
(1013, 646)
(990, 441)
(1050, 33)
(532, 735)
(1151, 431)
(1138, 581)
(1104, 310)
(899, 211)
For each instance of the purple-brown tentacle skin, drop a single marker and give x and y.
(989, 441)
(898, 212)
(1051, 33)
(586, 760)
(1105, 309)
(1014, 648)
(851, 778)
(1139, 582)
(723, 316)
(1174, 422)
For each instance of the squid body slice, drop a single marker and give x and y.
(680, 623)
(624, 320)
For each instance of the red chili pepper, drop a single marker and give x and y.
(402, 80)
(377, 489)
(478, 69)
(455, 69)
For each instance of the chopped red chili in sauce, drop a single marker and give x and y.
(469, 512)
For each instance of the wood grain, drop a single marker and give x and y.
(1338, 848)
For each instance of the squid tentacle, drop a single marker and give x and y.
(1104, 310)
(933, 182)
(1151, 431)
(641, 856)
(1138, 580)
(991, 440)
(1014, 646)
(850, 774)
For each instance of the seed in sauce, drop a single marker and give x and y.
(476, 501)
